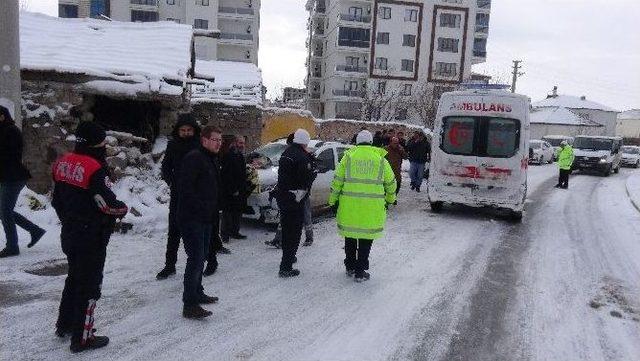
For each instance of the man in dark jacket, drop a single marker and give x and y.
(185, 137)
(419, 151)
(295, 177)
(198, 198)
(87, 209)
(13, 177)
(235, 187)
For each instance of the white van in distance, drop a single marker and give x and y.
(480, 150)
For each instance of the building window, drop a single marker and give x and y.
(200, 24)
(143, 16)
(406, 89)
(385, 12)
(171, 2)
(450, 20)
(480, 47)
(67, 11)
(407, 65)
(382, 87)
(382, 38)
(381, 63)
(448, 45)
(446, 69)
(145, 2)
(202, 2)
(351, 85)
(411, 15)
(355, 14)
(354, 37)
(409, 40)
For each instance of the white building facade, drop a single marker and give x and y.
(237, 20)
(628, 125)
(364, 51)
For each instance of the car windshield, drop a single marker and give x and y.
(593, 143)
(630, 150)
(555, 142)
(535, 145)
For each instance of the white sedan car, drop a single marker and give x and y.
(262, 206)
(631, 156)
(541, 152)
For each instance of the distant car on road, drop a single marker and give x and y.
(541, 152)
(631, 156)
(262, 206)
(597, 153)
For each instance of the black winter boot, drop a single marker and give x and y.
(195, 312)
(92, 343)
(165, 273)
(361, 277)
(207, 300)
(211, 268)
(9, 253)
(286, 274)
(35, 237)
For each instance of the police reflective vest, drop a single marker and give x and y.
(565, 157)
(363, 184)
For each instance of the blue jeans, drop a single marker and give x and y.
(196, 237)
(9, 192)
(416, 172)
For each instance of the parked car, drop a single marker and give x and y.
(541, 152)
(555, 141)
(597, 153)
(631, 156)
(262, 206)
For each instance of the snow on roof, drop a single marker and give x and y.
(234, 83)
(633, 114)
(571, 102)
(123, 51)
(558, 115)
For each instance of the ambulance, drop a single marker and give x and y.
(480, 150)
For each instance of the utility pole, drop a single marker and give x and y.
(516, 74)
(10, 55)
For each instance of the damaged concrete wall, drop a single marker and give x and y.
(243, 120)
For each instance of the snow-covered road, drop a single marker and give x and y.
(462, 285)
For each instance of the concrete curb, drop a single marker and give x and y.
(636, 204)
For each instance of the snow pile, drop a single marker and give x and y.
(228, 82)
(559, 115)
(571, 102)
(147, 53)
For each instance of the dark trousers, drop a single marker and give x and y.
(563, 178)
(292, 221)
(230, 223)
(9, 192)
(196, 237)
(357, 254)
(85, 246)
(215, 243)
(173, 239)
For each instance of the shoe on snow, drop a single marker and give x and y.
(210, 270)
(350, 273)
(195, 312)
(92, 343)
(165, 273)
(207, 300)
(361, 277)
(35, 237)
(224, 250)
(291, 273)
(238, 236)
(7, 252)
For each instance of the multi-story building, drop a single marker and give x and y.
(237, 20)
(290, 94)
(363, 50)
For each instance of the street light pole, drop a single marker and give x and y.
(10, 55)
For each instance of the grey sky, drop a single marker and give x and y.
(585, 47)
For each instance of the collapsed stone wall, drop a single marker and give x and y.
(244, 120)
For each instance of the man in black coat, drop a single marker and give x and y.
(13, 177)
(235, 187)
(184, 138)
(295, 178)
(87, 209)
(198, 198)
(419, 150)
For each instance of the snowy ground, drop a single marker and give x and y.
(462, 285)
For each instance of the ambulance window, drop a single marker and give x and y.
(503, 136)
(458, 134)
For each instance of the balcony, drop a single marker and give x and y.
(348, 93)
(482, 29)
(484, 4)
(355, 18)
(353, 43)
(144, 2)
(236, 36)
(351, 69)
(231, 11)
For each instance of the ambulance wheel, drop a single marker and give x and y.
(436, 207)
(515, 216)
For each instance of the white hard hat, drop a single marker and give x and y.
(364, 136)
(302, 137)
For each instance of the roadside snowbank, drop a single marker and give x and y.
(633, 190)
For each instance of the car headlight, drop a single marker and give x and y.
(603, 159)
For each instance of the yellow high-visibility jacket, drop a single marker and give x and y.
(363, 184)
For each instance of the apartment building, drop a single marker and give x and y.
(362, 49)
(237, 20)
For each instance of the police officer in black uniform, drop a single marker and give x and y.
(87, 209)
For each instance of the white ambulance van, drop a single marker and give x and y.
(480, 150)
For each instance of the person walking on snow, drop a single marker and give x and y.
(362, 189)
(419, 151)
(565, 161)
(395, 155)
(13, 177)
(87, 209)
(185, 137)
(295, 178)
(198, 197)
